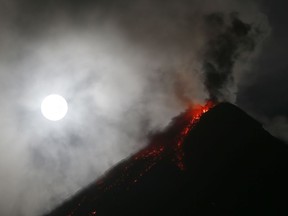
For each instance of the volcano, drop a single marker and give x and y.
(216, 162)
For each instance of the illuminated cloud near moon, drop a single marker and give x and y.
(119, 66)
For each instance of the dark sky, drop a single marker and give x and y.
(126, 68)
(267, 93)
(263, 94)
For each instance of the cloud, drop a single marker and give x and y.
(125, 67)
(228, 43)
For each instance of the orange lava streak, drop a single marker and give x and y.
(168, 143)
(180, 130)
(194, 113)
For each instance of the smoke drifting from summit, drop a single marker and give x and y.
(125, 67)
(229, 43)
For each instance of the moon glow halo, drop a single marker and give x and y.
(54, 107)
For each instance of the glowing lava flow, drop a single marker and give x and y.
(170, 142)
(166, 144)
(194, 114)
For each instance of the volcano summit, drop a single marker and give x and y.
(216, 162)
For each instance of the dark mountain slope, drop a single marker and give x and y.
(227, 165)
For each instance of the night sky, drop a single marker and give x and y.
(125, 68)
(265, 95)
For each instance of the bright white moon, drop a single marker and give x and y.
(54, 107)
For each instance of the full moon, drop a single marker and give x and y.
(54, 107)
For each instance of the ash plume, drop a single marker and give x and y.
(125, 67)
(231, 39)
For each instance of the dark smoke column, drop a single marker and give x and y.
(230, 39)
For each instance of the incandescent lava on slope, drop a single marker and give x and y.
(166, 145)
(169, 143)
